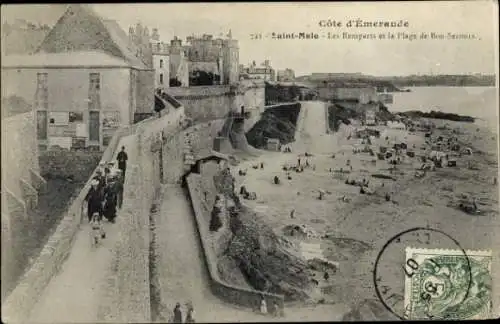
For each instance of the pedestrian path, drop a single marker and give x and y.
(73, 295)
(311, 129)
(183, 275)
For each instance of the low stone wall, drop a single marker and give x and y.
(235, 295)
(22, 299)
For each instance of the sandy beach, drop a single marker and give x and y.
(358, 225)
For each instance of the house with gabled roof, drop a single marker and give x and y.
(84, 81)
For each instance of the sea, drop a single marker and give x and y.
(479, 102)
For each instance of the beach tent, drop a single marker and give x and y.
(396, 125)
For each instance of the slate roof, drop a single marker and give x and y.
(207, 153)
(91, 33)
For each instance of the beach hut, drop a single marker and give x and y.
(467, 151)
(273, 144)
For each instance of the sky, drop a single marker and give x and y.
(375, 57)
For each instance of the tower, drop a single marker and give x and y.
(176, 45)
(231, 60)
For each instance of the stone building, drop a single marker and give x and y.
(160, 59)
(201, 60)
(218, 57)
(85, 80)
(153, 52)
(286, 75)
(253, 72)
(179, 65)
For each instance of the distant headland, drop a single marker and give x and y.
(437, 115)
(399, 83)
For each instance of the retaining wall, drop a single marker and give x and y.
(127, 295)
(203, 134)
(232, 294)
(22, 299)
(204, 103)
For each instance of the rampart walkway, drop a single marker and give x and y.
(73, 295)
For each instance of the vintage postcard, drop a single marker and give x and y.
(250, 162)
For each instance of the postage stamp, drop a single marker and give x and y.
(447, 284)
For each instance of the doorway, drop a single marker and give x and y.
(94, 126)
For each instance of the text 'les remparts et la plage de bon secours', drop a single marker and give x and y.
(396, 32)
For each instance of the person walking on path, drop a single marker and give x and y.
(277, 310)
(263, 305)
(94, 200)
(177, 313)
(110, 200)
(190, 313)
(119, 189)
(122, 161)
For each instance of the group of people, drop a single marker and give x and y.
(275, 310)
(106, 191)
(177, 316)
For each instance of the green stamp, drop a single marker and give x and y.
(447, 284)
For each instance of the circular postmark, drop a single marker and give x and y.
(426, 283)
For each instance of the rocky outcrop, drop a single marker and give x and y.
(257, 250)
(279, 122)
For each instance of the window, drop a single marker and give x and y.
(161, 64)
(94, 81)
(161, 78)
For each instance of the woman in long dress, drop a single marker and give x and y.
(110, 201)
(177, 313)
(190, 314)
(263, 305)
